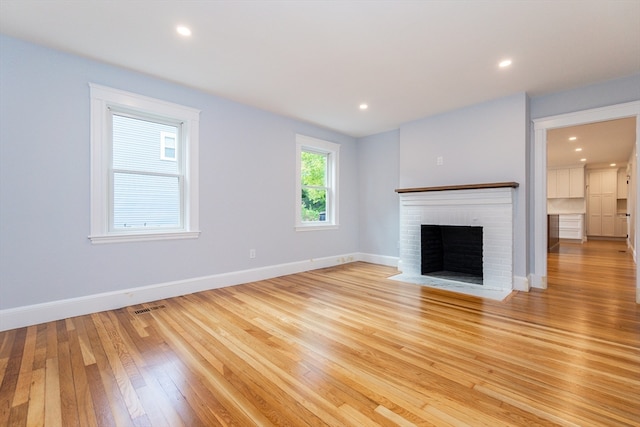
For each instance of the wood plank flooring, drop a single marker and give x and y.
(343, 347)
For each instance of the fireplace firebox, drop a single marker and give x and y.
(452, 252)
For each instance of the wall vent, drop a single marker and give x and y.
(148, 309)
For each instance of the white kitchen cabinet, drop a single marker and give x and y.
(622, 184)
(552, 179)
(576, 182)
(562, 183)
(565, 183)
(571, 226)
(601, 203)
(621, 225)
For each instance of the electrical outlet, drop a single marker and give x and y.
(252, 253)
(439, 161)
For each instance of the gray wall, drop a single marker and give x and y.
(246, 178)
(378, 172)
(482, 143)
(602, 94)
(247, 189)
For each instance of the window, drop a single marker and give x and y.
(144, 169)
(316, 183)
(168, 145)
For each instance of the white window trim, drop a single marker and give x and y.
(101, 99)
(304, 142)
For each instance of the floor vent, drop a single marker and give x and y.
(148, 309)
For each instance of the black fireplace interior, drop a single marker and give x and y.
(452, 252)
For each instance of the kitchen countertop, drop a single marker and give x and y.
(565, 213)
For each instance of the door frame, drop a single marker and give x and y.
(540, 128)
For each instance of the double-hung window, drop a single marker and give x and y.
(317, 183)
(144, 168)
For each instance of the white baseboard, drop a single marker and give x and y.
(18, 317)
(389, 261)
(521, 284)
(539, 282)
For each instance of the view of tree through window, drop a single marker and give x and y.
(314, 186)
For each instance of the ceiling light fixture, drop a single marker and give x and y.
(578, 149)
(612, 164)
(583, 160)
(183, 31)
(573, 138)
(363, 106)
(504, 63)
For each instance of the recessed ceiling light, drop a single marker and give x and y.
(183, 31)
(578, 149)
(583, 160)
(363, 106)
(573, 138)
(504, 63)
(612, 164)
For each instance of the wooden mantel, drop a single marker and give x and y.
(459, 187)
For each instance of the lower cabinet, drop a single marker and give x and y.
(572, 227)
(621, 225)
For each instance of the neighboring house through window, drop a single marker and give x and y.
(316, 183)
(144, 175)
(168, 146)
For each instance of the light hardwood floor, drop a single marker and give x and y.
(344, 347)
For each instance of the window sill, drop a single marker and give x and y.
(141, 237)
(315, 227)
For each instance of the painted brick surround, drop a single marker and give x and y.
(490, 208)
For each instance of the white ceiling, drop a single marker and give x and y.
(318, 60)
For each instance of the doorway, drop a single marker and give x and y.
(541, 128)
(587, 178)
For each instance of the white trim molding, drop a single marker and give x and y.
(389, 261)
(521, 284)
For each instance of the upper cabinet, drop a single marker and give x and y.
(576, 182)
(622, 184)
(563, 186)
(552, 183)
(565, 183)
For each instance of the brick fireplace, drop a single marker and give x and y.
(489, 206)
